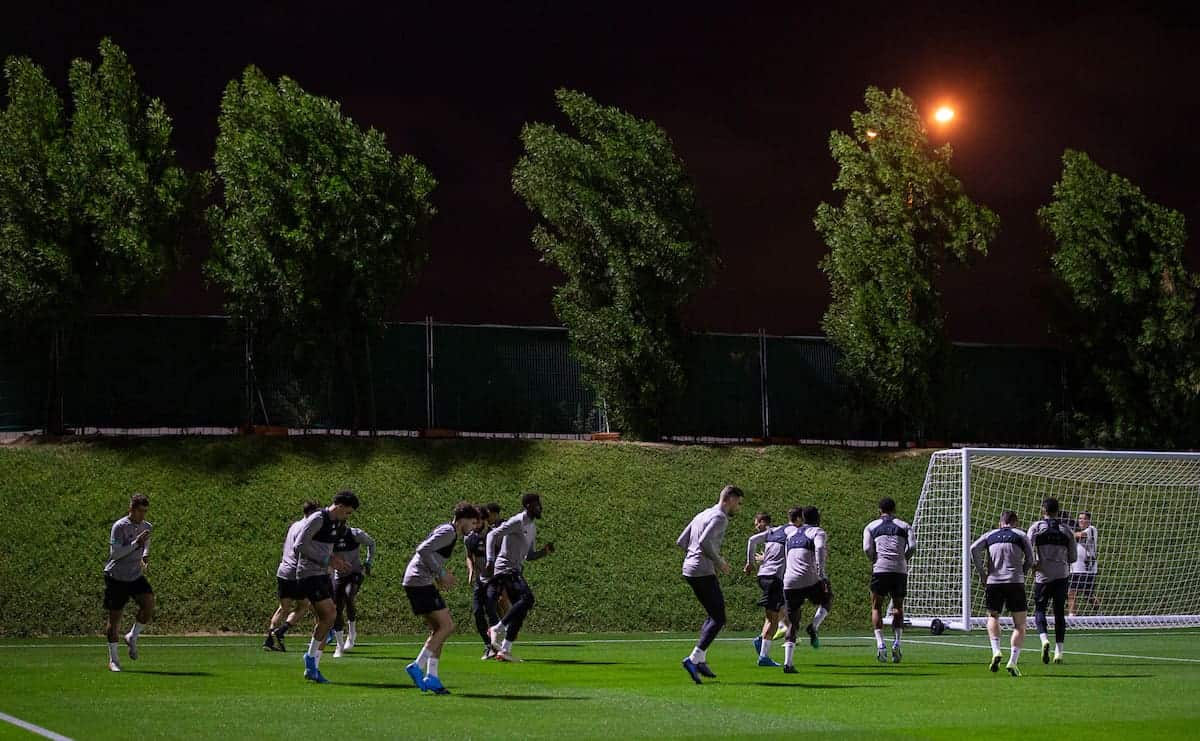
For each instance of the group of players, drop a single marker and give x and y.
(322, 567)
(792, 570)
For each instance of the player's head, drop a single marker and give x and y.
(731, 499)
(138, 504)
(1085, 519)
(532, 502)
(490, 511)
(796, 515)
(1050, 506)
(812, 516)
(762, 521)
(466, 517)
(310, 506)
(1008, 518)
(887, 506)
(345, 503)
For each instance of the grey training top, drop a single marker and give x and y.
(1002, 555)
(429, 562)
(288, 561)
(889, 543)
(314, 545)
(350, 547)
(510, 544)
(125, 556)
(772, 540)
(702, 540)
(1085, 560)
(806, 556)
(1054, 550)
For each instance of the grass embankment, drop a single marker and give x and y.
(220, 508)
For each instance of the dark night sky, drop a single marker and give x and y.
(748, 93)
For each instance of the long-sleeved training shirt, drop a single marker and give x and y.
(314, 545)
(1002, 555)
(889, 543)
(289, 560)
(349, 547)
(511, 543)
(429, 562)
(1054, 550)
(702, 539)
(1085, 560)
(124, 555)
(806, 557)
(773, 540)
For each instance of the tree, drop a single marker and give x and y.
(92, 203)
(1133, 331)
(618, 215)
(903, 216)
(321, 228)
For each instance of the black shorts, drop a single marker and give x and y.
(355, 578)
(316, 588)
(997, 596)
(117, 592)
(425, 600)
(1046, 592)
(772, 592)
(816, 594)
(890, 584)
(288, 589)
(1085, 583)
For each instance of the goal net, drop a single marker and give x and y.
(1145, 508)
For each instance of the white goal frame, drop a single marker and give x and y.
(934, 566)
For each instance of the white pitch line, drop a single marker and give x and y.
(1077, 653)
(32, 728)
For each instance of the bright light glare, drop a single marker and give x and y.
(944, 114)
(872, 134)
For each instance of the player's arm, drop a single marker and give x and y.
(1028, 552)
(1072, 547)
(471, 543)
(496, 535)
(305, 544)
(366, 541)
(822, 554)
(911, 549)
(710, 539)
(979, 556)
(118, 550)
(535, 554)
(869, 543)
(427, 553)
(145, 538)
(752, 544)
(685, 537)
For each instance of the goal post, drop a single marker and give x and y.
(1144, 506)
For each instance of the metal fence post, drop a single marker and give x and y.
(763, 388)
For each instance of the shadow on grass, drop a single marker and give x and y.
(809, 686)
(380, 685)
(1056, 675)
(571, 661)
(371, 657)
(887, 673)
(485, 696)
(162, 673)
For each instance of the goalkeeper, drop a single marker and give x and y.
(1083, 569)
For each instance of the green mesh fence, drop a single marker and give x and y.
(177, 373)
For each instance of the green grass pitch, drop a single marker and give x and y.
(1113, 685)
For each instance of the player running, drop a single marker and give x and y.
(1003, 557)
(508, 546)
(1054, 551)
(805, 578)
(702, 539)
(292, 603)
(315, 556)
(425, 575)
(346, 586)
(889, 543)
(125, 578)
(770, 580)
(475, 545)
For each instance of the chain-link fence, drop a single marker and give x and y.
(175, 375)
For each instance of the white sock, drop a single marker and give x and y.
(353, 632)
(423, 658)
(766, 649)
(789, 649)
(506, 646)
(1016, 654)
(697, 655)
(1045, 638)
(1058, 649)
(819, 617)
(314, 646)
(897, 632)
(112, 652)
(339, 639)
(137, 631)
(995, 646)
(879, 637)
(317, 658)
(433, 667)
